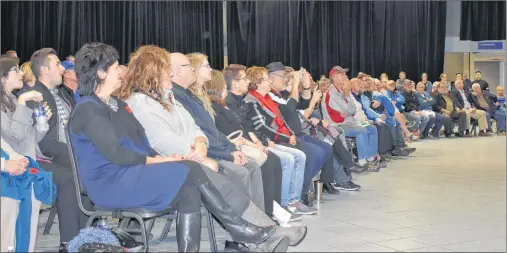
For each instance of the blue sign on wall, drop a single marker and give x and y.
(490, 45)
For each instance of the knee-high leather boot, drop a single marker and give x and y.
(188, 232)
(239, 229)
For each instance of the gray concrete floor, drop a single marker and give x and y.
(450, 196)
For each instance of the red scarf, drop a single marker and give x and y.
(272, 106)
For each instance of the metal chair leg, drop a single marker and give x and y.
(211, 232)
(50, 221)
(167, 228)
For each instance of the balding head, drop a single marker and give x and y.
(355, 85)
(459, 84)
(183, 71)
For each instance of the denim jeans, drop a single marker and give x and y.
(500, 120)
(293, 170)
(317, 153)
(366, 139)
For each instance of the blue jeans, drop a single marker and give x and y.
(317, 153)
(500, 120)
(293, 170)
(366, 139)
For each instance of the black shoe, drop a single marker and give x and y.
(410, 150)
(459, 134)
(357, 169)
(63, 247)
(399, 152)
(239, 229)
(235, 247)
(347, 186)
(330, 189)
(306, 200)
(188, 232)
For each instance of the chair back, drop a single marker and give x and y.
(80, 190)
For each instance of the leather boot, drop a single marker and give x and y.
(239, 229)
(188, 232)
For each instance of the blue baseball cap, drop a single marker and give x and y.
(68, 65)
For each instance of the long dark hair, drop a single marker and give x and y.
(6, 64)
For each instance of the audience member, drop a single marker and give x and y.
(401, 81)
(413, 110)
(220, 148)
(70, 79)
(479, 80)
(28, 78)
(444, 81)
(12, 53)
(424, 80)
(500, 97)
(154, 182)
(484, 101)
(460, 100)
(444, 104)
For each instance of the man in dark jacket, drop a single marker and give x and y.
(60, 99)
(444, 104)
(460, 99)
(413, 112)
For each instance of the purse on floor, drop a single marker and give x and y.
(259, 156)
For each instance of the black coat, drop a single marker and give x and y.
(49, 145)
(411, 101)
(440, 102)
(457, 99)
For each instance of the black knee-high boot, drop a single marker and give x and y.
(188, 232)
(239, 229)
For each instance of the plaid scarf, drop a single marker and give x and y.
(63, 112)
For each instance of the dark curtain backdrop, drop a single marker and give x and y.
(65, 26)
(373, 37)
(482, 20)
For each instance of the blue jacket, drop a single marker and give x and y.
(400, 100)
(426, 101)
(20, 188)
(366, 106)
(387, 108)
(219, 146)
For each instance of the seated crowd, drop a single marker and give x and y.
(168, 130)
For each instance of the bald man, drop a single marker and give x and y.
(220, 147)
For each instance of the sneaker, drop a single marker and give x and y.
(293, 215)
(299, 208)
(347, 186)
(410, 150)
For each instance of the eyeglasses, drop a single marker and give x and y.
(186, 65)
(243, 78)
(206, 66)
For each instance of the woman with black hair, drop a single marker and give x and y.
(119, 169)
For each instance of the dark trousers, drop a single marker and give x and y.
(70, 217)
(317, 154)
(385, 142)
(440, 120)
(342, 155)
(461, 117)
(272, 181)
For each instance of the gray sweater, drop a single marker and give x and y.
(19, 132)
(169, 132)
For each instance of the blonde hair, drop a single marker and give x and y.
(198, 88)
(28, 75)
(216, 86)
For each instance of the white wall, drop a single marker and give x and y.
(490, 72)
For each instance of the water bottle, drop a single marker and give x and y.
(10, 249)
(40, 116)
(102, 224)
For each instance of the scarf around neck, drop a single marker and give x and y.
(272, 106)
